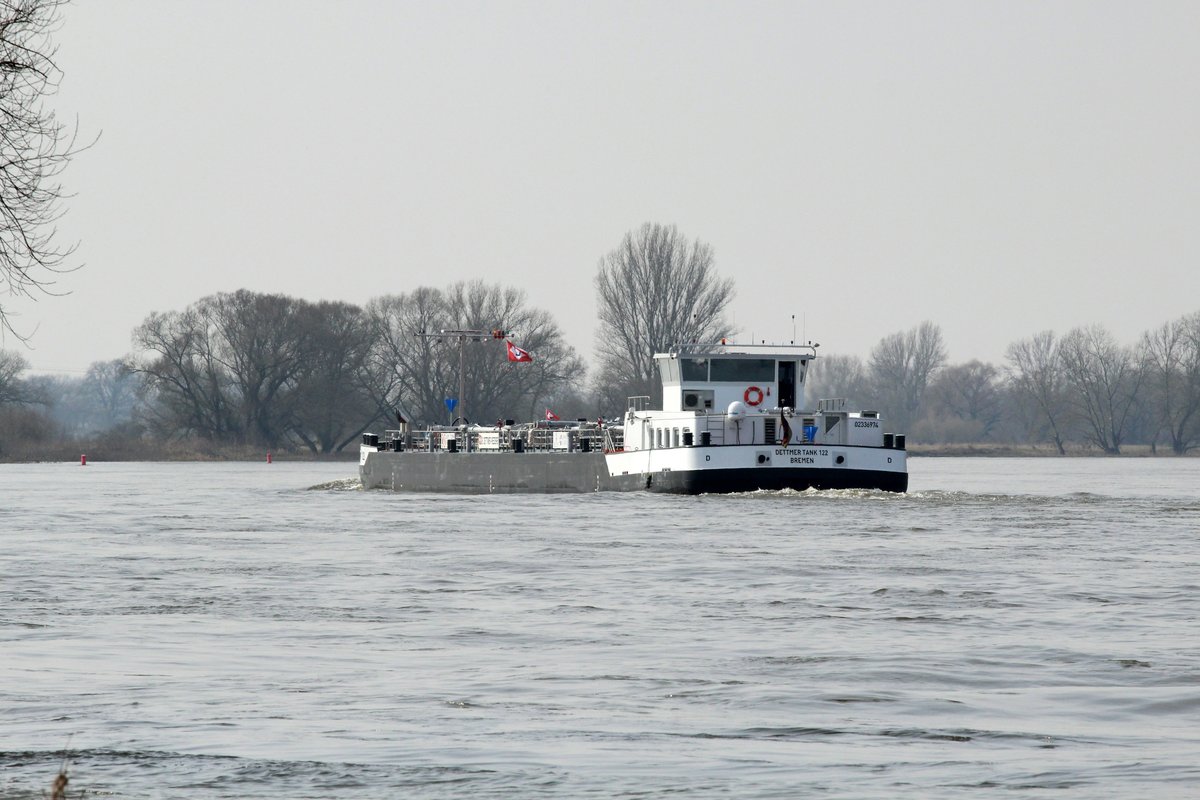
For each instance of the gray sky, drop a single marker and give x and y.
(998, 168)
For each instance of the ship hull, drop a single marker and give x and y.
(491, 473)
(683, 470)
(720, 481)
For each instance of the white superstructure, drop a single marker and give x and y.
(739, 411)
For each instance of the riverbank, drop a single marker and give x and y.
(1000, 450)
(100, 450)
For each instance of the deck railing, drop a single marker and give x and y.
(534, 438)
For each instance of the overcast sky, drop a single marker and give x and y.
(997, 168)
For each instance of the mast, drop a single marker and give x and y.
(463, 335)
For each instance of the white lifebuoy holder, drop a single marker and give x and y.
(753, 396)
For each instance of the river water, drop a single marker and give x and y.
(1009, 628)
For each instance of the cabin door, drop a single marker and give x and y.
(787, 384)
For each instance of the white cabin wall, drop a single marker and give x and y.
(668, 370)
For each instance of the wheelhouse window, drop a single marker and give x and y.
(743, 370)
(695, 369)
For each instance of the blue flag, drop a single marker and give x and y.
(451, 402)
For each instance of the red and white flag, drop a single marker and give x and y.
(517, 354)
(550, 415)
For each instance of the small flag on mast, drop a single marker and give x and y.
(517, 354)
(550, 415)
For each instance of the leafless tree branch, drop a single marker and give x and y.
(35, 147)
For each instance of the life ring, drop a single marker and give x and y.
(753, 396)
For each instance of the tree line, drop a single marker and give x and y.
(251, 370)
(1082, 388)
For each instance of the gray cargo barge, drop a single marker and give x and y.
(512, 459)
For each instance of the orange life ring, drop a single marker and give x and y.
(754, 392)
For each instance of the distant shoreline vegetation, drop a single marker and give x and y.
(1079, 395)
(235, 375)
(1003, 450)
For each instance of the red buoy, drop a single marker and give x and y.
(83, 460)
(268, 457)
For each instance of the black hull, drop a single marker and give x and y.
(724, 481)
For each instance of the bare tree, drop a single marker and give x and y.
(497, 387)
(263, 369)
(419, 372)
(654, 291)
(1173, 379)
(34, 149)
(186, 388)
(902, 365)
(98, 401)
(838, 376)
(404, 366)
(969, 392)
(112, 390)
(266, 345)
(1035, 372)
(332, 403)
(12, 388)
(1104, 380)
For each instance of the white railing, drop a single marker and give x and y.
(530, 437)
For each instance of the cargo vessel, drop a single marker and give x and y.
(733, 419)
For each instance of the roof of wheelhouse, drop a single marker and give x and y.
(731, 350)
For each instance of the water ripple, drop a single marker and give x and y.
(1011, 627)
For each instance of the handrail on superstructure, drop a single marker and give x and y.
(639, 402)
(732, 348)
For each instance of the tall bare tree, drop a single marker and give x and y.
(418, 372)
(837, 376)
(1173, 379)
(1104, 380)
(1035, 372)
(971, 393)
(902, 365)
(185, 386)
(497, 387)
(266, 344)
(654, 291)
(331, 403)
(35, 147)
(403, 364)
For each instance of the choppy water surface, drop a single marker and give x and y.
(1009, 628)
